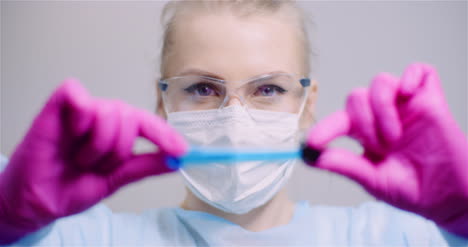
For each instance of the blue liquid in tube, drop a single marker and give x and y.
(204, 156)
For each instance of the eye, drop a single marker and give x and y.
(269, 90)
(202, 89)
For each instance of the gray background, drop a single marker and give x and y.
(112, 47)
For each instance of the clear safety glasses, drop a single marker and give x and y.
(279, 92)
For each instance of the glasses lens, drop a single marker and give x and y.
(191, 93)
(280, 92)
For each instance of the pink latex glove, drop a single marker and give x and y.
(77, 152)
(415, 155)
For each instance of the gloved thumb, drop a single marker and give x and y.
(136, 168)
(348, 164)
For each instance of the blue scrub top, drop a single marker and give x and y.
(371, 224)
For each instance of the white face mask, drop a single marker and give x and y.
(237, 188)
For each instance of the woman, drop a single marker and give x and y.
(234, 74)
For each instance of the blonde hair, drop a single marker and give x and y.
(173, 10)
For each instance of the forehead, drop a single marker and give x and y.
(235, 46)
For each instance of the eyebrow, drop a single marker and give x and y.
(194, 71)
(200, 72)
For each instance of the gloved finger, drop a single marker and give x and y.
(433, 89)
(348, 164)
(431, 77)
(66, 110)
(156, 130)
(126, 134)
(138, 167)
(414, 77)
(101, 137)
(79, 109)
(383, 95)
(428, 84)
(362, 120)
(411, 79)
(328, 129)
(92, 188)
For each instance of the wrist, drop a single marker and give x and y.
(458, 225)
(12, 226)
(10, 233)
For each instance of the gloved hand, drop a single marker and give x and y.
(415, 155)
(77, 152)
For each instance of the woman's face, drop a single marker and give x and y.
(233, 48)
